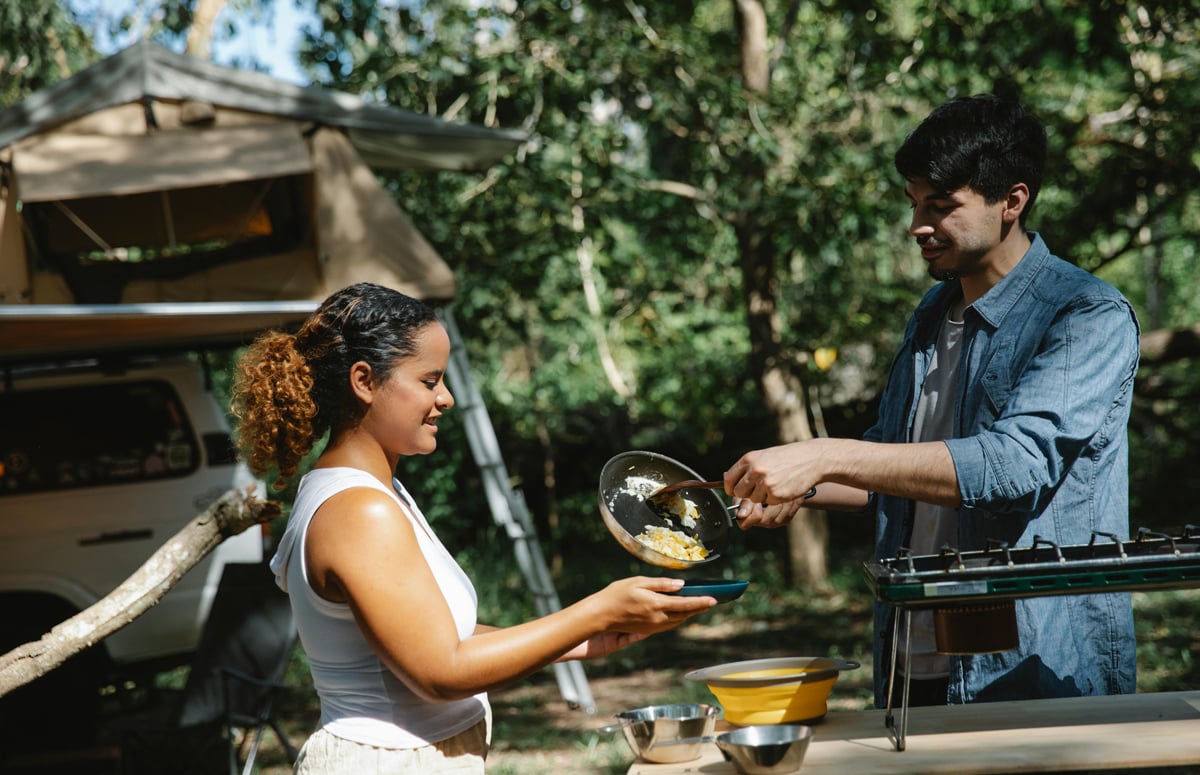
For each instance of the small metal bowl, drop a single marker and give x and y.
(629, 478)
(766, 749)
(655, 732)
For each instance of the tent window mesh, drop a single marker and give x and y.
(101, 243)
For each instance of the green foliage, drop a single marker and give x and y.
(1168, 640)
(62, 47)
(601, 268)
(600, 286)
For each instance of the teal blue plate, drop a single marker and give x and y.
(723, 591)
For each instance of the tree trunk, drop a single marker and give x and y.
(784, 394)
(199, 39)
(782, 388)
(233, 513)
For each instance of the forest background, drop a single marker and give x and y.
(702, 248)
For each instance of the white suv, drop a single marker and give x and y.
(102, 461)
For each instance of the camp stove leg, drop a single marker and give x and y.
(897, 736)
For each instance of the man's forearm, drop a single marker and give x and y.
(923, 472)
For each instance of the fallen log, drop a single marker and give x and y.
(232, 513)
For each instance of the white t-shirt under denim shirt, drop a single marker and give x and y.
(361, 700)
(935, 526)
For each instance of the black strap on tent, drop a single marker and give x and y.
(148, 109)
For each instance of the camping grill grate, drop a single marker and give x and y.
(1149, 562)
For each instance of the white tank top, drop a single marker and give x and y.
(361, 700)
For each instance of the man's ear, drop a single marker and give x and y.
(362, 381)
(1015, 202)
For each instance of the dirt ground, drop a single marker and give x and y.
(536, 711)
(536, 732)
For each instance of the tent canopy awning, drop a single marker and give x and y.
(74, 166)
(63, 331)
(387, 137)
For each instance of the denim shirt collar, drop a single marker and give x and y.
(998, 302)
(1006, 294)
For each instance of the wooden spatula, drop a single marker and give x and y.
(661, 495)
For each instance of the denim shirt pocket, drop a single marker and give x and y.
(996, 383)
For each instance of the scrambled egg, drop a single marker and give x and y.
(683, 508)
(641, 487)
(672, 543)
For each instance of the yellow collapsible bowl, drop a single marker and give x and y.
(773, 691)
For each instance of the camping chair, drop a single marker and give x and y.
(235, 676)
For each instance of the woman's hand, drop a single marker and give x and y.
(643, 605)
(602, 644)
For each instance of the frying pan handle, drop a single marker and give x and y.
(812, 491)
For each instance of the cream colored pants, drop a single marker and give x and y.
(463, 754)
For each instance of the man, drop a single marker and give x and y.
(1004, 416)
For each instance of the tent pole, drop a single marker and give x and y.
(508, 505)
(168, 219)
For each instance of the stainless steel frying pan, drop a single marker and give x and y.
(628, 479)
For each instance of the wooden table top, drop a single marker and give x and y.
(1079, 733)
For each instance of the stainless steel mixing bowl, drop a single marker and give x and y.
(766, 749)
(668, 733)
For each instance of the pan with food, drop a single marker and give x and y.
(682, 529)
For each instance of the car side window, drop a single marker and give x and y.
(93, 435)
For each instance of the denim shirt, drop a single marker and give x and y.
(1040, 448)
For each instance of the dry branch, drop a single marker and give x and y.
(235, 511)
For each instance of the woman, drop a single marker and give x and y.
(385, 615)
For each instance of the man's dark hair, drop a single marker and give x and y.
(983, 143)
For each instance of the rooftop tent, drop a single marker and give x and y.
(158, 177)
